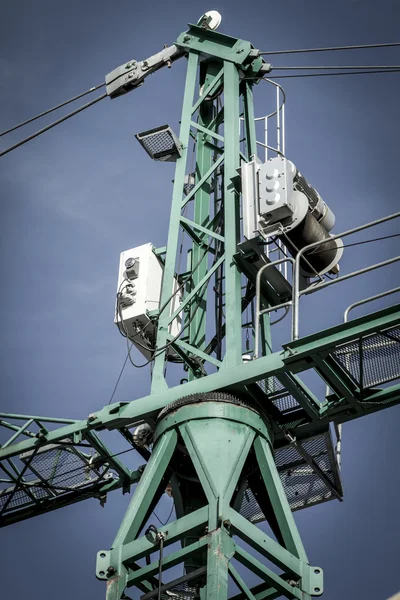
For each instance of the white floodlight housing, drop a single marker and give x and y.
(210, 20)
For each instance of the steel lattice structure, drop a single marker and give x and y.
(238, 441)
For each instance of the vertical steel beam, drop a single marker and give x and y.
(146, 489)
(204, 156)
(233, 313)
(280, 504)
(220, 551)
(158, 382)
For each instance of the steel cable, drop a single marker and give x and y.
(50, 110)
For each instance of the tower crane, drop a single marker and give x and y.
(229, 428)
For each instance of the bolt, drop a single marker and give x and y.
(92, 417)
(186, 38)
(227, 523)
(41, 435)
(111, 571)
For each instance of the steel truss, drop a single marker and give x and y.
(252, 438)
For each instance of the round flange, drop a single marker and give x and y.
(207, 397)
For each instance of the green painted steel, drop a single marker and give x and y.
(220, 551)
(284, 516)
(233, 319)
(158, 381)
(202, 201)
(219, 438)
(147, 488)
(211, 451)
(240, 583)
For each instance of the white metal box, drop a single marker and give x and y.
(139, 289)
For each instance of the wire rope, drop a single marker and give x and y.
(330, 49)
(50, 110)
(51, 125)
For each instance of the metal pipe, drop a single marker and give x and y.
(370, 299)
(265, 311)
(18, 433)
(258, 296)
(45, 419)
(281, 317)
(278, 121)
(296, 278)
(328, 283)
(320, 286)
(15, 428)
(269, 147)
(283, 129)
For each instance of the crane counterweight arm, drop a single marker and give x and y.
(132, 74)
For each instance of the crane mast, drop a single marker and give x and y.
(229, 429)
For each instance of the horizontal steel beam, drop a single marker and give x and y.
(324, 341)
(172, 531)
(168, 562)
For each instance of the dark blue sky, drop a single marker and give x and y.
(73, 199)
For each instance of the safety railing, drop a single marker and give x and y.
(366, 300)
(279, 149)
(297, 293)
(279, 114)
(264, 311)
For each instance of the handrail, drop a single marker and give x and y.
(296, 293)
(258, 296)
(280, 122)
(366, 300)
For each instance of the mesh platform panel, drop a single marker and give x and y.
(57, 470)
(374, 359)
(185, 590)
(250, 509)
(181, 592)
(20, 498)
(63, 468)
(275, 390)
(303, 487)
(271, 385)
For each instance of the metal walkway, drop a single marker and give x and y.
(47, 464)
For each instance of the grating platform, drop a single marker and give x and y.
(372, 360)
(303, 486)
(186, 587)
(50, 476)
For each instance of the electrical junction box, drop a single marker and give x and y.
(270, 200)
(139, 289)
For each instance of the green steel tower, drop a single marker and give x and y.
(230, 430)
